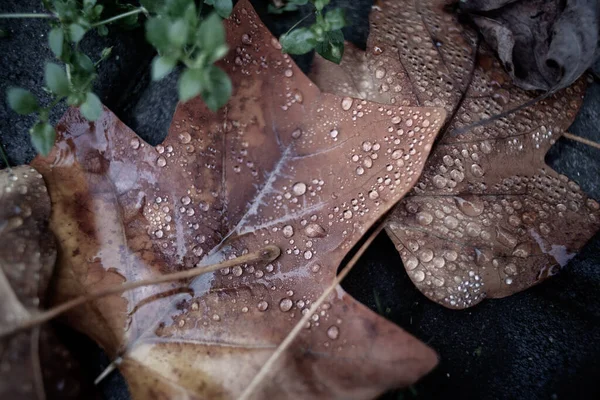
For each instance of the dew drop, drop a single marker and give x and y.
(333, 332)
(185, 137)
(424, 218)
(286, 304)
(299, 188)
(411, 263)
(185, 200)
(308, 255)
(135, 143)
(161, 161)
(334, 133)
(315, 231)
(418, 276)
(288, 231)
(347, 103)
(347, 214)
(262, 306)
(450, 222)
(373, 194)
(396, 154)
(471, 206)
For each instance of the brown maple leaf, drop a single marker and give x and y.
(281, 164)
(33, 364)
(487, 218)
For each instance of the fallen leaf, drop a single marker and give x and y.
(33, 364)
(488, 217)
(545, 45)
(282, 164)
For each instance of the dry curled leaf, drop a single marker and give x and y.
(281, 164)
(487, 218)
(33, 364)
(543, 44)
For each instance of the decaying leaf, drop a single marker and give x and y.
(33, 364)
(542, 44)
(488, 217)
(282, 164)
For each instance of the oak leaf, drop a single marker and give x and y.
(488, 217)
(281, 164)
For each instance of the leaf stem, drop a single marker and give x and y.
(266, 254)
(26, 15)
(120, 16)
(269, 365)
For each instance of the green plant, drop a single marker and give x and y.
(178, 29)
(324, 35)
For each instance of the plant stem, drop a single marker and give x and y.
(26, 15)
(298, 23)
(120, 16)
(581, 140)
(266, 254)
(268, 367)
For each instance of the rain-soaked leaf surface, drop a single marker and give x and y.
(488, 217)
(281, 164)
(33, 364)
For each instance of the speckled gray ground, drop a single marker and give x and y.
(540, 344)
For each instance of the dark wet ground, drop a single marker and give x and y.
(540, 344)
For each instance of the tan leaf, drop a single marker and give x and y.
(33, 364)
(488, 217)
(282, 164)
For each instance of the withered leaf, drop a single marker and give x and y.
(33, 364)
(281, 164)
(487, 218)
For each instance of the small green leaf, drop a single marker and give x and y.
(189, 84)
(102, 30)
(83, 62)
(211, 35)
(332, 48)
(91, 109)
(21, 101)
(298, 41)
(335, 19)
(162, 66)
(222, 7)
(56, 79)
(105, 53)
(320, 4)
(217, 89)
(178, 33)
(76, 32)
(43, 137)
(98, 10)
(56, 39)
(157, 30)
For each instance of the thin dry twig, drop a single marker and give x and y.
(266, 254)
(268, 366)
(579, 139)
